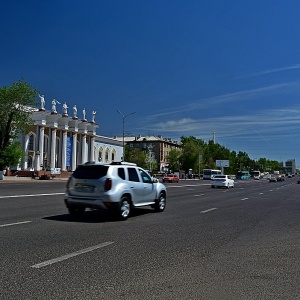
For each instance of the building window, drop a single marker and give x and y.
(113, 154)
(100, 154)
(29, 162)
(106, 155)
(31, 143)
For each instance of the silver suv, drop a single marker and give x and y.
(118, 186)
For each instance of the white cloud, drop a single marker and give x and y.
(270, 71)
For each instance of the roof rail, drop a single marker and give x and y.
(123, 163)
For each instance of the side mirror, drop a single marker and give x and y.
(154, 180)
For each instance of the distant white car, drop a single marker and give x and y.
(222, 181)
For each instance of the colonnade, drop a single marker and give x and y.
(69, 142)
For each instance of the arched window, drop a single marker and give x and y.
(100, 154)
(113, 155)
(106, 155)
(31, 142)
(29, 162)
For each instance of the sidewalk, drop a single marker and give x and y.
(22, 179)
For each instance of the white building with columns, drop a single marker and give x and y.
(59, 141)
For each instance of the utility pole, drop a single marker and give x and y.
(123, 118)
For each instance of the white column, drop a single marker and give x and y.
(41, 144)
(25, 149)
(64, 151)
(83, 149)
(53, 148)
(92, 150)
(74, 151)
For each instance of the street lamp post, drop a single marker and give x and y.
(124, 117)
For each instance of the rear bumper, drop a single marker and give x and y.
(90, 203)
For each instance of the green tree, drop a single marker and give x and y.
(174, 159)
(16, 102)
(192, 153)
(135, 155)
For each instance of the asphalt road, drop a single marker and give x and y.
(240, 243)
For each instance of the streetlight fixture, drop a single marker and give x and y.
(124, 117)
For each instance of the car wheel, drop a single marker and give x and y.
(124, 208)
(76, 211)
(160, 203)
(212, 186)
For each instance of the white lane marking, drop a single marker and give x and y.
(18, 223)
(32, 195)
(208, 210)
(199, 195)
(64, 257)
(244, 199)
(261, 193)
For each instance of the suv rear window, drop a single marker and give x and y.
(90, 172)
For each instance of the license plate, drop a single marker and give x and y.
(82, 188)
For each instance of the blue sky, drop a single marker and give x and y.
(184, 67)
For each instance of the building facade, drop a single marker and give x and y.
(290, 166)
(157, 145)
(57, 141)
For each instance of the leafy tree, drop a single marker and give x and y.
(135, 155)
(191, 156)
(16, 102)
(11, 154)
(174, 159)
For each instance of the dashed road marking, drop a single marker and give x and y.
(17, 223)
(31, 195)
(64, 257)
(208, 210)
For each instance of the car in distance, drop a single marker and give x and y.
(171, 178)
(298, 180)
(119, 187)
(273, 178)
(280, 178)
(222, 181)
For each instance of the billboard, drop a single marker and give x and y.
(222, 163)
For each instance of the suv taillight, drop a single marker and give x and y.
(68, 183)
(108, 184)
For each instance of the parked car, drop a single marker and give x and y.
(298, 180)
(273, 178)
(171, 178)
(118, 186)
(222, 181)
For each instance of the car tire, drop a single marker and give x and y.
(212, 186)
(160, 203)
(76, 211)
(124, 208)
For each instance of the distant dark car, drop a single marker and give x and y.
(298, 180)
